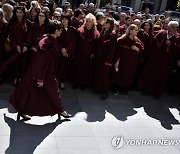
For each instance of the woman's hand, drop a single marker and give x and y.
(116, 65)
(24, 49)
(34, 49)
(18, 49)
(64, 52)
(40, 83)
(135, 48)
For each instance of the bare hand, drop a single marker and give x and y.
(135, 48)
(92, 56)
(40, 84)
(34, 49)
(64, 52)
(116, 65)
(24, 49)
(18, 49)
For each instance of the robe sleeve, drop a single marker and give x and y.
(72, 45)
(112, 49)
(43, 60)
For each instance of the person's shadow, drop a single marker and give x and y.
(27, 136)
(159, 109)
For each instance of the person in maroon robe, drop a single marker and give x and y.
(67, 40)
(39, 29)
(20, 35)
(37, 94)
(100, 18)
(127, 59)
(160, 62)
(3, 37)
(124, 27)
(77, 18)
(85, 54)
(104, 56)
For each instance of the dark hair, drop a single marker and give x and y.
(37, 11)
(77, 12)
(53, 26)
(46, 21)
(111, 13)
(66, 17)
(151, 25)
(128, 17)
(111, 22)
(14, 17)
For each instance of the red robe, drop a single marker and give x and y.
(38, 32)
(106, 47)
(67, 40)
(3, 36)
(129, 60)
(84, 63)
(20, 33)
(75, 23)
(27, 98)
(159, 64)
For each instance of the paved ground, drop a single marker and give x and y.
(114, 126)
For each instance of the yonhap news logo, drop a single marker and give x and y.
(118, 142)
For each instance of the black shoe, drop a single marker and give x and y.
(82, 88)
(64, 114)
(74, 86)
(24, 117)
(157, 97)
(62, 88)
(104, 96)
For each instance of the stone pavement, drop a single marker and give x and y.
(119, 125)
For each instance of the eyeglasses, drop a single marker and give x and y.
(57, 16)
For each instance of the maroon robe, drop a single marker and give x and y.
(84, 63)
(159, 64)
(38, 32)
(20, 33)
(99, 27)
(67, 40)
(3, 36)
(29, 99)
(106, 47)
(129, 60)
(122, 29)
(75, 23)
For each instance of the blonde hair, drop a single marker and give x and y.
(91, 17)
(7, 11)
(131, 27)
(34, 4)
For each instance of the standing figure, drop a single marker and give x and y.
(20, 36)
(86, 50)
(37, 94)
(160, 62)
(127, 58)
(3, 36)
(39, 29)
(67, 42)
(106, 47)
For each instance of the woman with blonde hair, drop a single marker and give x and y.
(127, 57)
(8, 11)
(85, 52)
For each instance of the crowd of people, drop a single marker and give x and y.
(41, 42)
